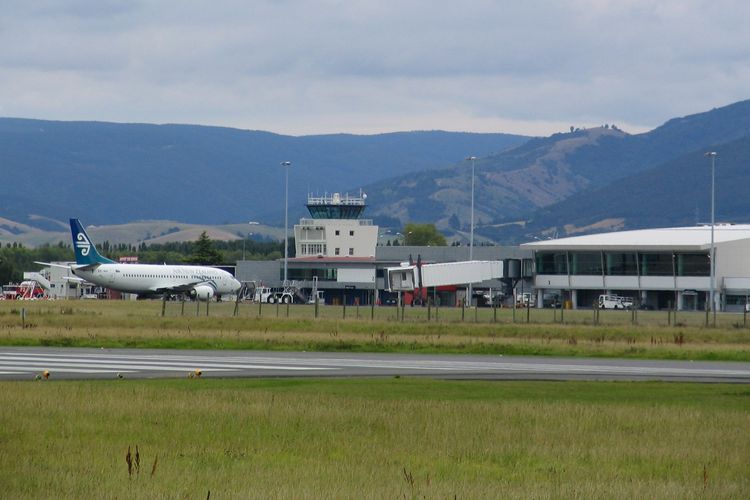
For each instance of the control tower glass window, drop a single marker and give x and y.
(336, 206)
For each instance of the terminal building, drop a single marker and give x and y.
(337, 251)
(658, 268)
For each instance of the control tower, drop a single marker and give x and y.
(335, 228)
(336, 206)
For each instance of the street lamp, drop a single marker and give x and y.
(252, 223)
(243, 244)
(712, 154)
(471, 233)
(286, 165)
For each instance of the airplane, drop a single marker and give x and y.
(200, 282)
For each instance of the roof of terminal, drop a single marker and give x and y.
(679, 238)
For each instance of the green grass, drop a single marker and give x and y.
(378, 438)
(140, 324)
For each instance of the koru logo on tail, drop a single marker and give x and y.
(83, 244)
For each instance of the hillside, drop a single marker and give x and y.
(677, 192)
(107, 173)
(515, 186)
(581, 181)
(153, 231)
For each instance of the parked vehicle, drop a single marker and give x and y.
(627, 302)
(495, 299)
(614, 302)
(319, 295)
(525, 300)
(273, 295)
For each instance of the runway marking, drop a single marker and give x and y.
(61, 369)
(96, 363)
(19, 362)
(502, 364)
(103, 368)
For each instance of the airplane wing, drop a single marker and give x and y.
(187, 287)
(71, 267)
(73, 278)
(50, 264)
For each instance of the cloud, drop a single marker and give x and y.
(366, 66)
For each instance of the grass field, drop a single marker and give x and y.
(375, 438)
(482, 331)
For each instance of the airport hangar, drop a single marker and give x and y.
(342, 254)
(656, 267)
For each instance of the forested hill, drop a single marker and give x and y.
(108, 173)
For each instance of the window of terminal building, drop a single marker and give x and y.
(351, 233)
(351, 251)
(337, 251)
(324, 274)
(693, 264)
(621, 264)
(586, 263)
(656, 264)
(551, 263)
(736, 300)
(338, 232)
(314, 249)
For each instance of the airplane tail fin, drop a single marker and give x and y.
(86, 253)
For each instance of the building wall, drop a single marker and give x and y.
(335, 238)
(450, 253)
(341, 278)
(267, 272)
(733, 260)
(364, 276)
(60, 288)
(671, 279)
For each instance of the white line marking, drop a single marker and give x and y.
(164, 365)
(62, 369)
(159, 362)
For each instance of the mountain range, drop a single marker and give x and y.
(108, 173)
(588, 180)
(579, 181)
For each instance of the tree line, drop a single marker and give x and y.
(16, 258)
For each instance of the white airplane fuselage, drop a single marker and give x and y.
(150, 278)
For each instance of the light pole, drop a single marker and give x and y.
(252, 223)
(712, 154)
(471, 231)
(286, 165)
(243, 244)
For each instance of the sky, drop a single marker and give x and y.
(371, 66)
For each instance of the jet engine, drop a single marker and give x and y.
(202, 292)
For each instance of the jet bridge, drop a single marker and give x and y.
(410, 277)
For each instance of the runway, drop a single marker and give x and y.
(26, 363)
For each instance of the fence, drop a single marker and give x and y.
(433, 314)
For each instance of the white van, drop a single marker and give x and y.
(610, 302)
